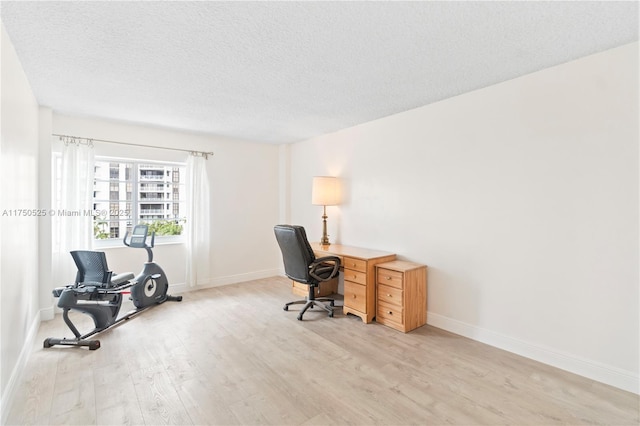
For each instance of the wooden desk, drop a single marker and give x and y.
(358, 265)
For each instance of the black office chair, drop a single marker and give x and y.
(301, 265)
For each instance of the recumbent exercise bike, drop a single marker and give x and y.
(98, 293)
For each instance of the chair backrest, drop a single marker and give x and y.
(92, 267)
(297, 253)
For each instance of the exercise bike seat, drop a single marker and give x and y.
(96, 291)
(92, 268)
(94, 275)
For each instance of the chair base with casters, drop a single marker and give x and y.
(311, 301)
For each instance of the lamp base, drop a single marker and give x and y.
(324, 241)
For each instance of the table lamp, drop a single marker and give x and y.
(325, 192)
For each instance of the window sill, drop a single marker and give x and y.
(114, 244)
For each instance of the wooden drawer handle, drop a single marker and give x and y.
(354, 296)
(390, 313)
(388, 277)
(388, 295)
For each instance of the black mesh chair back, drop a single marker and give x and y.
(297, 253)
(92, 267)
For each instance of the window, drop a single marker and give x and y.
(131, 192)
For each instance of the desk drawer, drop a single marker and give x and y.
(355, 276)
(355, 296)
(324, 289)
(389, 295)
(355, 264)
(390, 277)
(388, 312)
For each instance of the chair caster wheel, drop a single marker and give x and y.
(286, 308)
(330, 314)
(94, 344)
(299, 317)
(46, 343)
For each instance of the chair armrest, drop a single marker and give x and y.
(91, 289)
(327, 259)
(58, 290)
(324, 263)
(85, 284)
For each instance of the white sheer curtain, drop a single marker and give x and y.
(198, 218)
(72, 224)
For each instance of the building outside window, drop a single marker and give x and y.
(130, 192)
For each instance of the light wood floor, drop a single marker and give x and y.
(230, 355)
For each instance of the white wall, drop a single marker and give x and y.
(243, 179)
(522, 198)
(19, 301)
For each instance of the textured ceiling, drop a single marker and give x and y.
(286, 71)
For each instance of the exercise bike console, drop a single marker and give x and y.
(138, 237)
(139, 240)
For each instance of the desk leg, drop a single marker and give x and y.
(364, 317)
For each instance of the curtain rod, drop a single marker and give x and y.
(77, 140)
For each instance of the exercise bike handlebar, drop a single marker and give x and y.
(139, 239)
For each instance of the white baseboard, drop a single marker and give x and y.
(220, 281)
(18, 369)
(612, 376)
(49, 313)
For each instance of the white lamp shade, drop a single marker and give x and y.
(325, 191)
